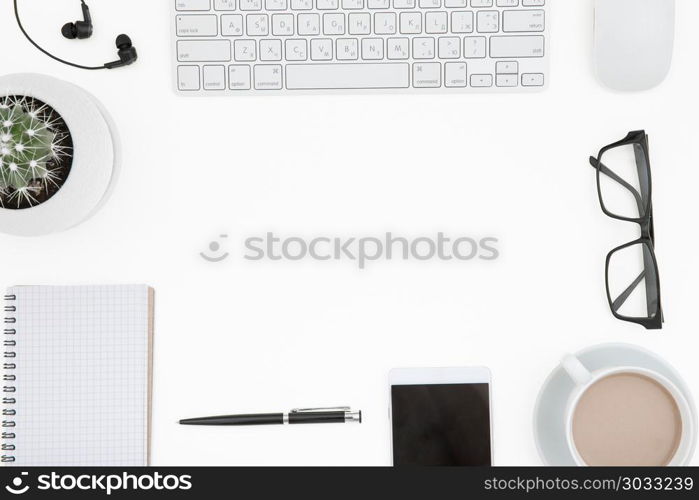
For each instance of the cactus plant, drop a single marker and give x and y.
(34, 144)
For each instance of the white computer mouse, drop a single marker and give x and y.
(634, 42)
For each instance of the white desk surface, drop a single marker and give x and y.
(245, 336)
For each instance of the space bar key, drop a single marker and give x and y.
(347, 76)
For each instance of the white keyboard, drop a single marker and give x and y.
(239, 47)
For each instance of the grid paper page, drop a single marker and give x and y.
(83, 364)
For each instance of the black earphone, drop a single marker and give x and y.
(81, 30)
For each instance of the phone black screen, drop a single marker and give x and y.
(445, 424)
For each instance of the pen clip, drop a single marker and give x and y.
(318, 410)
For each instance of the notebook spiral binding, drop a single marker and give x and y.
(9, 388)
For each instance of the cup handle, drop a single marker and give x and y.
(576, 370)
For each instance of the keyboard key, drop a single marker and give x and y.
(474, 47)
(328, 4)
(282, 24)
(430, 4)
(403, 4)
(436, 22)
(309, 24)
(481, 81)
(348, 76)
(516, 46)
(372, 49)
(249, 5)
(321, 49)
(257, 25)
(385, 23)
(214, 77)
(481, 3)
(334, 24)
(197, 25)
(244, 50)
(397, 48)
(462, 22)
(275, 5)
(455, 74)
(533, 3)
(533, 80)
(239, 77)
(359, 23)
(232, 25)
(192, 5)
(352, 4)
(427, 75)
(296, 50)
(203, 51)
(488, 21)
(423, 48)
(301, 4)
(224, 4)
(410, 23)
(507, 3)
(378, 4)
(449, 47)
(270, 50)
(188, 78)
(523, 21)
(506, 80)
(455, 4)
(268, 77)
(347, 49)
(507, 67)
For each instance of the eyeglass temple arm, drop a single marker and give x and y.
(651, 226)
(598, 165)
(640, 155)
(652, 285)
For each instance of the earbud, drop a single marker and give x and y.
(127, 53)
(82, 30)
(79, 29)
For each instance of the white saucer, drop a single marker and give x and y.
(549, 420)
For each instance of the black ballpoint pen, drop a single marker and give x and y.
(337, 415)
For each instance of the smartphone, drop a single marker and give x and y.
(441, 416)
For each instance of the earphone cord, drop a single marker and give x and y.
(19, 23)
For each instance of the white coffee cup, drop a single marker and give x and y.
(584, 379)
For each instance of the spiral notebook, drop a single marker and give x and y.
(77, 376)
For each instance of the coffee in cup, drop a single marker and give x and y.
(627, 416)
(627, 419)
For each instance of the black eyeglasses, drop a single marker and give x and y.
(624, 186)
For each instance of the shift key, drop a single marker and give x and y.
(204, 50)
(517, 46)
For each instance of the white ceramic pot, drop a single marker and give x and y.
(94, 165)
